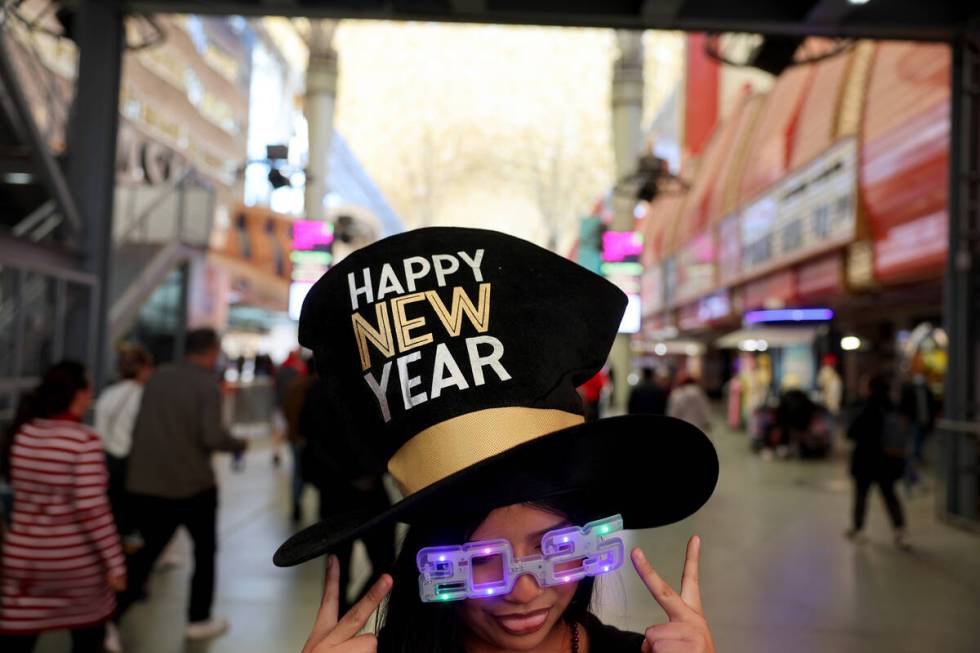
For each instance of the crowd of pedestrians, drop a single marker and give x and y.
(94, 509)
(80, 494)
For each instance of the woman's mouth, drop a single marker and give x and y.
(523, 623)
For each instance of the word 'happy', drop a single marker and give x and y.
(391, 331)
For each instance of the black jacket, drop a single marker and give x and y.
(868, 432)
(607, 639)
(648, 399)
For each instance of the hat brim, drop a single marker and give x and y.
(651, 469)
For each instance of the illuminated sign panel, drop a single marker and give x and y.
(812, 209)
(621, 246)
(311, 256)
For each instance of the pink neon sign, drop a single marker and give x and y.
(621, 245)
(310, 234)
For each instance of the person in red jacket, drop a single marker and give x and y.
(591, 393)
(62, 562)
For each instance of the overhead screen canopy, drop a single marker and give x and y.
(896, 19)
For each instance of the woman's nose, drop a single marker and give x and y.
(526, 589)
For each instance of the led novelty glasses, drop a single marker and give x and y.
(489, 568)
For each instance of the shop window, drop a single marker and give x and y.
(821, 222)
(792, 236)
(842, 212)
(241, 228)
(278, 259)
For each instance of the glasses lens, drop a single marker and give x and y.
(488, 569)
(569, 566)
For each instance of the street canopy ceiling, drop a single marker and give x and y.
(900, 19)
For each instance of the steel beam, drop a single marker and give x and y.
(960, 501)
(91, 167)
(45, 162)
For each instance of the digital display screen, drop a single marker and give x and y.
(632, 316)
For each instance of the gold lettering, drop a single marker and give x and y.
(379, 337)
(453, 319)
(403, 325)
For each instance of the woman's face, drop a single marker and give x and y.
(523, 619)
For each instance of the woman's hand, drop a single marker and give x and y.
(331, 635)
(116, 581)
(686, 630)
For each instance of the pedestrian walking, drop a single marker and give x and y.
(61, 563)
(293, 401)
(878, 457)
(115, 416)
(688, 402)
(348, 477)
(649, 397)
(918, 407)
(291, 369)
(170, 475)
(514, 502)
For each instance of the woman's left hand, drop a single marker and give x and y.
(686, 630)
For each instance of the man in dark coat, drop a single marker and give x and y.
(649, 397)
(348, 476)
(877, 458)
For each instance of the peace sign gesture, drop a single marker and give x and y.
(686, 630)
(332, 636)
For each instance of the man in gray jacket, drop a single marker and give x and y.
(170, 475)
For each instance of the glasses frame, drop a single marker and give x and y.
(446, 572)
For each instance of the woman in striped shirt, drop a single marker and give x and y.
(61, 562)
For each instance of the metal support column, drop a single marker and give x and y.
(321, 97)
(91, 169)
(627, 117)
(961, 500)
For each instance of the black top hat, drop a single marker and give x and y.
(455, 354)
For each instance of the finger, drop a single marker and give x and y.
(672, 630)
(672, 646)
(646, 647)
(668, 599)
(366, 643)
(354, 620)
(690, 580)
(326, 617)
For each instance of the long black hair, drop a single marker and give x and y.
(407, 625)
(54, 395)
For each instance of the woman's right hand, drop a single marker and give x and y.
(340, 636)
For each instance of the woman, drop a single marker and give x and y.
(878, 457)
(61, 562)
(115, 415)
(688, 402)
(439, 347)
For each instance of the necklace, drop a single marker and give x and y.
(574, 638)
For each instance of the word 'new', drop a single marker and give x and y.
(392, 325)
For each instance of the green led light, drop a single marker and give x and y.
(604, 530)
(444, 597)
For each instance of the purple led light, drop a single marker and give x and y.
(566, 579)
(606, 568)
(564, 539)
(789, 315)
(442, 558)
(486, 551)
(489, 591)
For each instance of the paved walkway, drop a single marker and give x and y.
(777, 575)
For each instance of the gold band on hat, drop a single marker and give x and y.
(448, 447)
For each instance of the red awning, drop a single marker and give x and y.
(904, 154)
